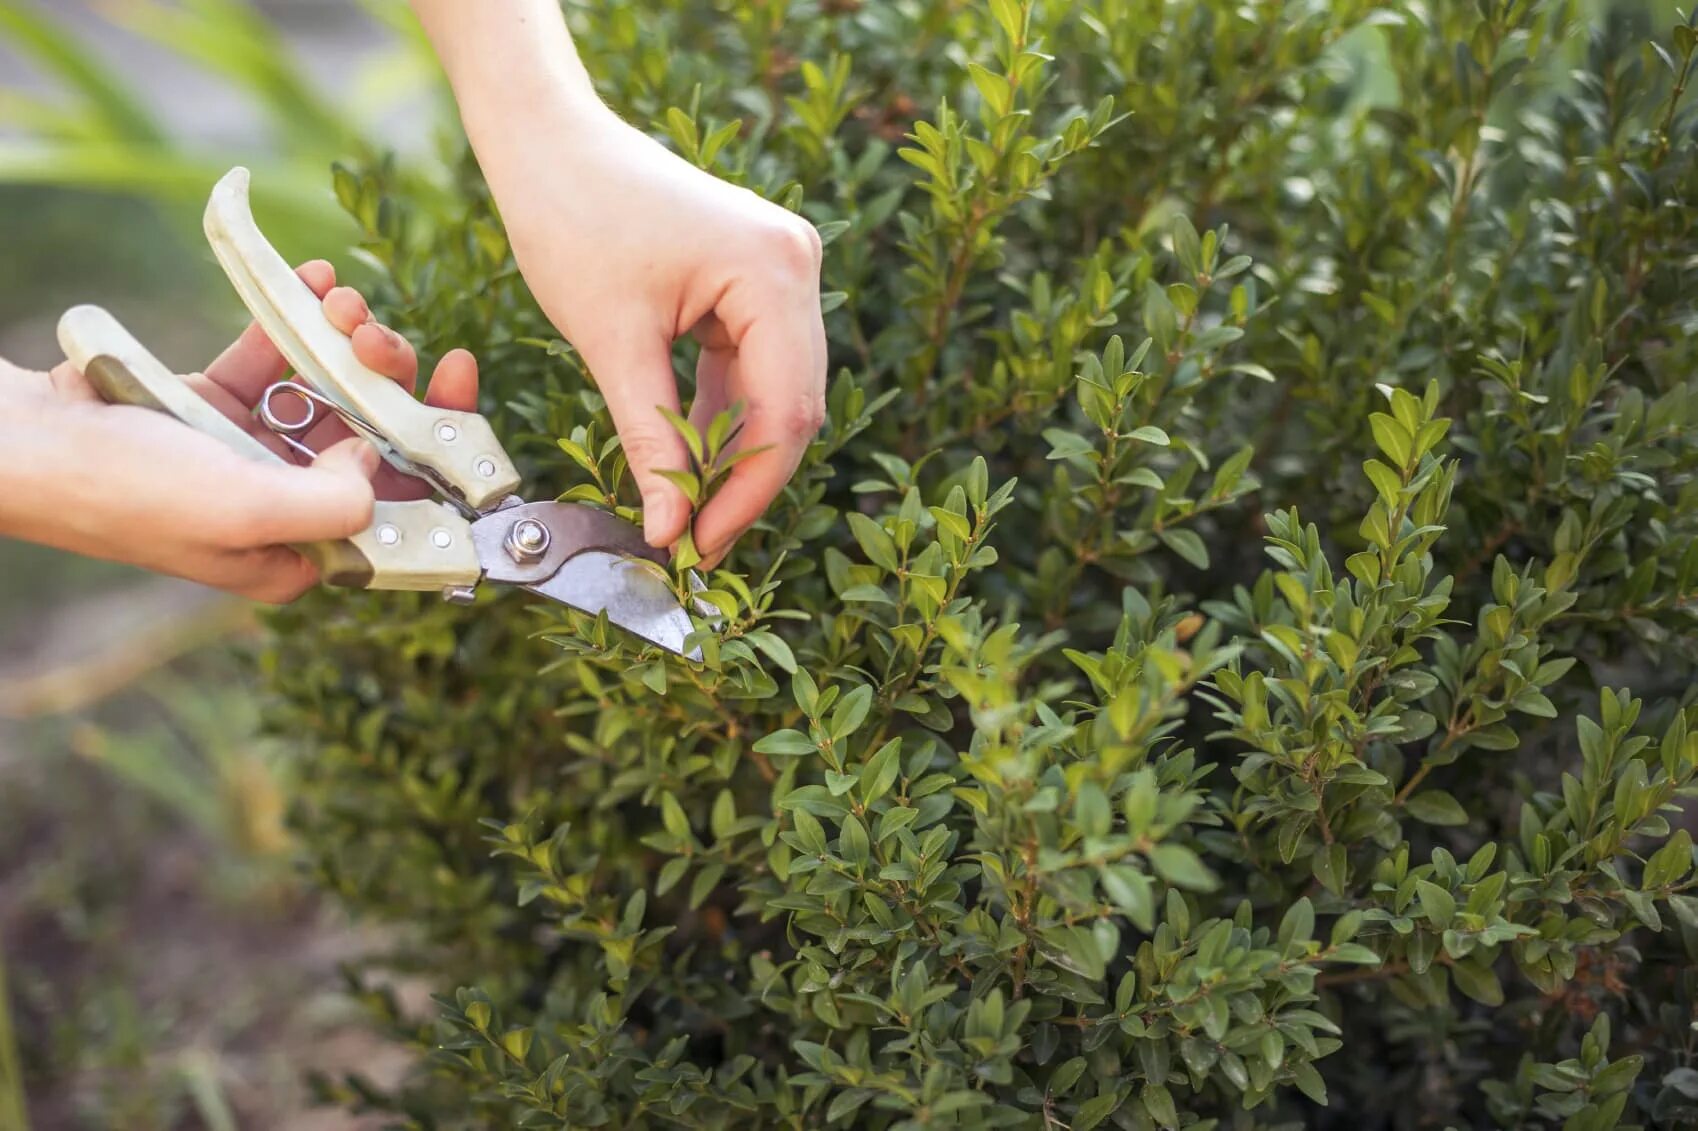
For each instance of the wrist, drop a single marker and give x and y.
(512, 109)
(514, 130)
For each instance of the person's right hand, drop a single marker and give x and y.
(134, 485)
(628, 247)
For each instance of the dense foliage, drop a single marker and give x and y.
(1260, 462)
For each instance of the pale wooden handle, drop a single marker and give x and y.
(419, 545)
(461, 447)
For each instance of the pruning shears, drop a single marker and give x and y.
(478, 530)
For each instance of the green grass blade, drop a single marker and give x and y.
(34, 117)
(14, 1114)
(26, 29)
(200, 1077)
(292, 199)
(150, 763)
(230, 39)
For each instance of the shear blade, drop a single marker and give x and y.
(590, 560)
(629, 593)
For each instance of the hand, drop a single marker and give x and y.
(628, 248)
(637, 248)
(134, 485)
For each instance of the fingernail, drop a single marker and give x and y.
(355, 453)
(659, 517)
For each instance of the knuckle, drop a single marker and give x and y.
(649, 444)
(803, 416)
(793, 247)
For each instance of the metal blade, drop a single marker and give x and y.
(631, 595)
(583, 557)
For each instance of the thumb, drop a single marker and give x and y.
(637, 382)
(352, 457)
(329, 500)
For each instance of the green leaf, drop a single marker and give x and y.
(517, 1042)
(1186, 246)
(1297, 924)
(1092, 1112)
(1436, 807)
(1385, 480)
(1187, 545)
(1393, 439)
(895, 820)
(1330, 865)
(853, 841)
(672, 816)
(1010, 16)
(724, 814)
(1180, 866)
(811, 832)
(670, 873)
(1067, 445)
(847, 1102)
(1670, 863)
(785, 742)
(1478, 981)
(874, 541)
(850, 712)
(776, 650)
(1309, 1082)
(1618, 1077)
(879, 774)
(1158, 1101)
(992, 87)
(1091, 810)
(1436, 903)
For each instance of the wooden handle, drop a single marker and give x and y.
(419, 545)
(460, 447)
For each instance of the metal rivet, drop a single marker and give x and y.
(446, 432)
(527, 540)
(388, 535)
(459, 594)
(486, 468)
(441, 539)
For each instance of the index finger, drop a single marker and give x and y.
(781, 363)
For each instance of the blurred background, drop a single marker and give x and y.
(160, 965)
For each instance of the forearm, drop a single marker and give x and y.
(513, 68)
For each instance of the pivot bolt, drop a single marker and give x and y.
(527, 540)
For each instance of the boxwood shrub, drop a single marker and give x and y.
(1225, 662)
